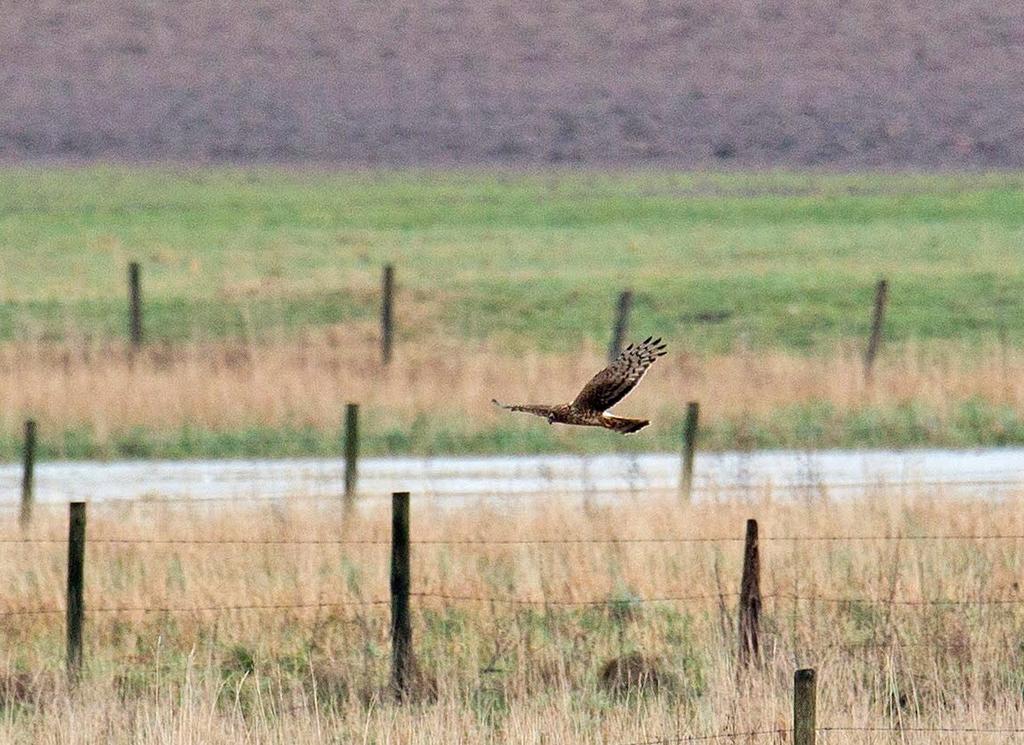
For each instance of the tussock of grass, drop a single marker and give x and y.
(506, 673)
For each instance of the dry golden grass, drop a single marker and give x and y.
(305, 382)
(888, 656)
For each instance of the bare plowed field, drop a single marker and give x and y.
(696, 82)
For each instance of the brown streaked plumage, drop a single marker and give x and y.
(607, 388)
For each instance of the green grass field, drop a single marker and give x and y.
(776, 260)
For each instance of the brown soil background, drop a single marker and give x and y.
(787, 83)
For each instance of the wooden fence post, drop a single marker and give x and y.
(76, 585)
(750, 599)
(804, 705)
(351, 448)
(386, 317)
(28, 480)
(621, 324)
(401, 627)
(689, 446)
(877, 319)
(135, 304)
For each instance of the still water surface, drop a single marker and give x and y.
(989, 473)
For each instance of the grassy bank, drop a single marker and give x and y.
(769, 261)
(261, 623)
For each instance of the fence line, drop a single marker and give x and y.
(714, 736)
(892, 601)
(935, 730)
(572, 603)
(402, 594)
(509, 541)
(196, 608)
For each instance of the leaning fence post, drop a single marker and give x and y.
(28, 474)
(386, 317)
(689, 446)
(351, 447)
(401, 628)
(877, 319)
(804, 726)
(76, 583)
(134, 304)
(621, 323)
(750, 599)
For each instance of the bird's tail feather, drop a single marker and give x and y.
(623, 424)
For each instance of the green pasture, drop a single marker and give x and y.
(971, 423)
(535, 260)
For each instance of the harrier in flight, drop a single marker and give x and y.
(604, 390)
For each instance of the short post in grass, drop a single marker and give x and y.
(621, 323)
(804, 705)
(877, 319)
(76, 587)
(386, 313)
(401, 626)
(351, 448)
(135, 304)
(689, 448)
(28, 479)
(750, 600)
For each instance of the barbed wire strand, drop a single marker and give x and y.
(933, 730)
(703, 738)
(196, 608)
(506, 541)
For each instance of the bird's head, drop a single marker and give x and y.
(551, 417)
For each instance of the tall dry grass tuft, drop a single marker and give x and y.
(312, 666)
(305, 381)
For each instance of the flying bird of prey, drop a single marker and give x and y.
(604, 390)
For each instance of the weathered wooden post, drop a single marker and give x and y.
(386, 316)
(689, 447)
(351, 448)
(401, 626)
(750, 600)
(76, 586)
(28, 480)
(135, 304)
(804, 705)
(877, 319)
(621, 323)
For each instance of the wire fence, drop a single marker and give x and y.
(174, 541)
(784, 734)
(447, 596)
(349, 611)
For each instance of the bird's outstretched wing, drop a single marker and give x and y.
(537, 409)
(610, 385)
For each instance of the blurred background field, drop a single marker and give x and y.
(261, 291)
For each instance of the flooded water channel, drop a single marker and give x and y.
(989, 473)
